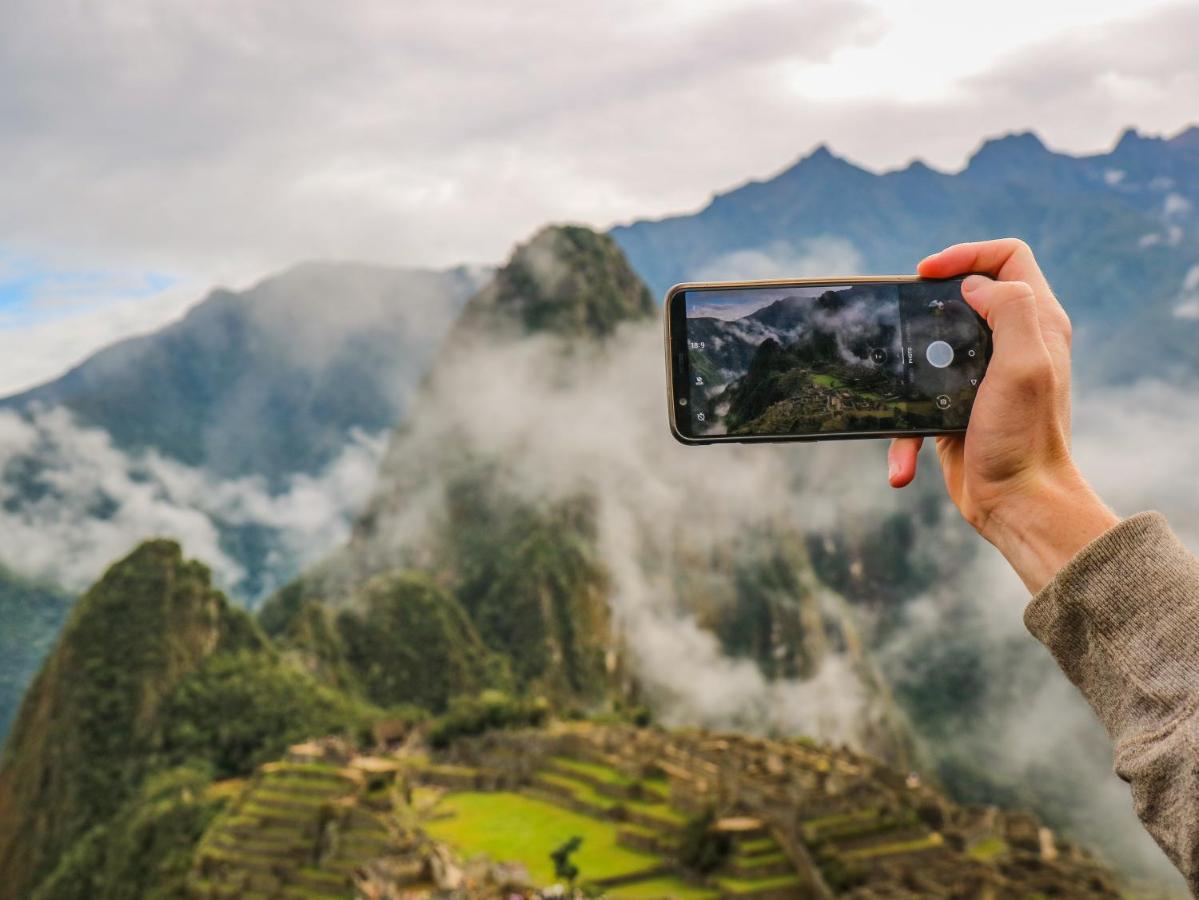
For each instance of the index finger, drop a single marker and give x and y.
(1005, 259)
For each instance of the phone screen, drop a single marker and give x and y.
(848, 359)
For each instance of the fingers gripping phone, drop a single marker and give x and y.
(816, 359)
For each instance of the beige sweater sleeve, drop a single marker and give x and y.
(1122, 620)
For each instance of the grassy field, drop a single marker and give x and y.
(508, 826)
(598, 772)
(662, 887)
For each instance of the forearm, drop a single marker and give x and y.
(1122, 620)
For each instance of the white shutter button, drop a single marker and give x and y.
(939, 354)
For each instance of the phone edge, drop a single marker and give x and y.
(671, 406)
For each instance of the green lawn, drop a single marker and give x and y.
(508, 826)
(749, 886)
(930, 842)
(759, 846)
(662, 887)
(827, 381)
(988, 849)
(662, 812)
(580, 790)
(600, 773)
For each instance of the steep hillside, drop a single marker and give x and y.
(153, 669)
(568, 280)
(251, 425)
(149, 622)
(1106, 228)
(530, 513)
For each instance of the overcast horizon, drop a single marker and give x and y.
(157, 149)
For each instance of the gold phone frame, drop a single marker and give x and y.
(672, 406)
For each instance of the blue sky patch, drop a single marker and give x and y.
(32, 292)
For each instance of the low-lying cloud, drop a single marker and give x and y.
(71, 503)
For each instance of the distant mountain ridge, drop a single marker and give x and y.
(269, 381)
(1106, 227)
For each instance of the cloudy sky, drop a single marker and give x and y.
(152, 148)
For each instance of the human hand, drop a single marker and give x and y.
(1011, 475)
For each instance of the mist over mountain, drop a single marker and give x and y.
(1117, 234)
(251, 430)
(243, 428)
(523, 520)
(604, 561)
(270, 381)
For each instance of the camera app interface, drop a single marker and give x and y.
(832, 359)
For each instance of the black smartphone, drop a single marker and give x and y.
(827, 358)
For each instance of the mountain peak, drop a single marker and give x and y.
(1016, 146)
(1188, 137)
(567, 279)
(1131, 139)
(85, 726)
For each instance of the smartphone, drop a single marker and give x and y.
(822, 358)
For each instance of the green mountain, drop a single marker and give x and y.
(568, 280)
(168, 749)
(402, 640)
(270, 385)
(154, 670)
(525, 571)
(530, 564)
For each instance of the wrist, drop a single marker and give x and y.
(1041, 527)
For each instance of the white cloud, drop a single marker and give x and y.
(39, 348)
(221, 140)
(71, 503)
(821, 256)
(1187, 306)
(1176, 206)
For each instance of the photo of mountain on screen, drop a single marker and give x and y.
(850, 359)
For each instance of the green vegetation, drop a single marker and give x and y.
(773, 616)
(564, 869)
(928, 842)
(297, 829)
(660, 888)
(567, 280)
(413, 643)
(827, 381)
(85, 736)
(145, 851)
(515, 827)
(736, 886)
(530, 578)
(241, 709)
(701, 849)
(605, 774)
(156, 686)
(489, 710)
(988, 849)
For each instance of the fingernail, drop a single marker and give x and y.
(892, 470)
(973, 283)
